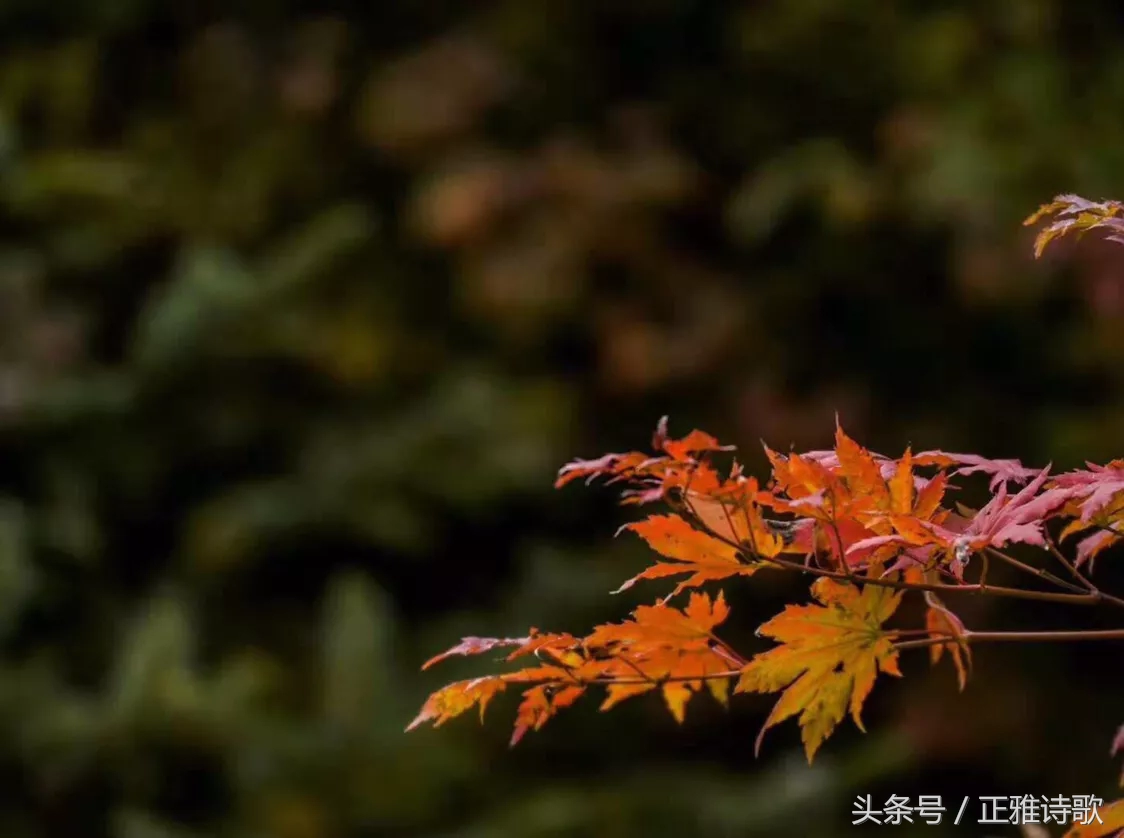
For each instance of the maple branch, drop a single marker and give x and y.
(1068, 565)
(839, 542)
(1090, 598)
(1089, 584)
(666, 679)
(727, 649)
(1013, 637)
(647, 679)
(684, 508)
(1085, 598)
(1041, 573)
(1101, 596)
(1111, 530)
(849, 481)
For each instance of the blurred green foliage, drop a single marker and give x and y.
(300, 309)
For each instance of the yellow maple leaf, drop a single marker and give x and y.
(830, 656)
(677, 694)
(456, 698)
(1111, 821)
(619, 692)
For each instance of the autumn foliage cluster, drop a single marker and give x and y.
(872, 530)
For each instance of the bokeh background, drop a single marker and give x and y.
(303, 305)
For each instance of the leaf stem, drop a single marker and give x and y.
(1014, 637)
(1090, 598)
(1093, 596)
(1068, 565)
(1041, 573)
(709, 676)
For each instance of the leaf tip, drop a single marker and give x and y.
(757, 742)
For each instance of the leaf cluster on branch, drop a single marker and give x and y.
(871, 530)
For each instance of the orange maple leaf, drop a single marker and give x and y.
(845, 497)
(677, 673)
(456, 698)
(829, 659)
(862, 473)
(662, 648)
(731, 512)
(1110, 823)
(666, 648)
(675, 467)
(705, 557)
(539, 704)
(660, 626)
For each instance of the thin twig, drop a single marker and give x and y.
(1092, 597)
(1041, 573)
(1014, 637)
(1068, 565)
(1014, 593)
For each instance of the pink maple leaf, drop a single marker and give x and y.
(1098, 486)
(1001, 471)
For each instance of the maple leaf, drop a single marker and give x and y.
(1098, 501)
(660, 626)
(475, 646)
(705, 557)
(664, 647)
(681, 449)
(731, 511)
(554, 645)
(1005, 519)
(678, 673)
(849, 502)
(830, 657)
(456, 698)
(1073, 214)
(873, 504)
(539, 704)
(1014, 519)
(798, 477)
(886, 465)
(846, 499)
(1111, 822)
(1091, 546)
(929, 496)
(1117, 747)
(941, 622)
(663, 643)
(859, 468)
(619, 692)
(1001, 471)
(606, 464)
(1096, 490)
(901, 486)
(635, 464)
(559, 646)
(824, 504)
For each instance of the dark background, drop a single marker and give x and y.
(302, 307)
